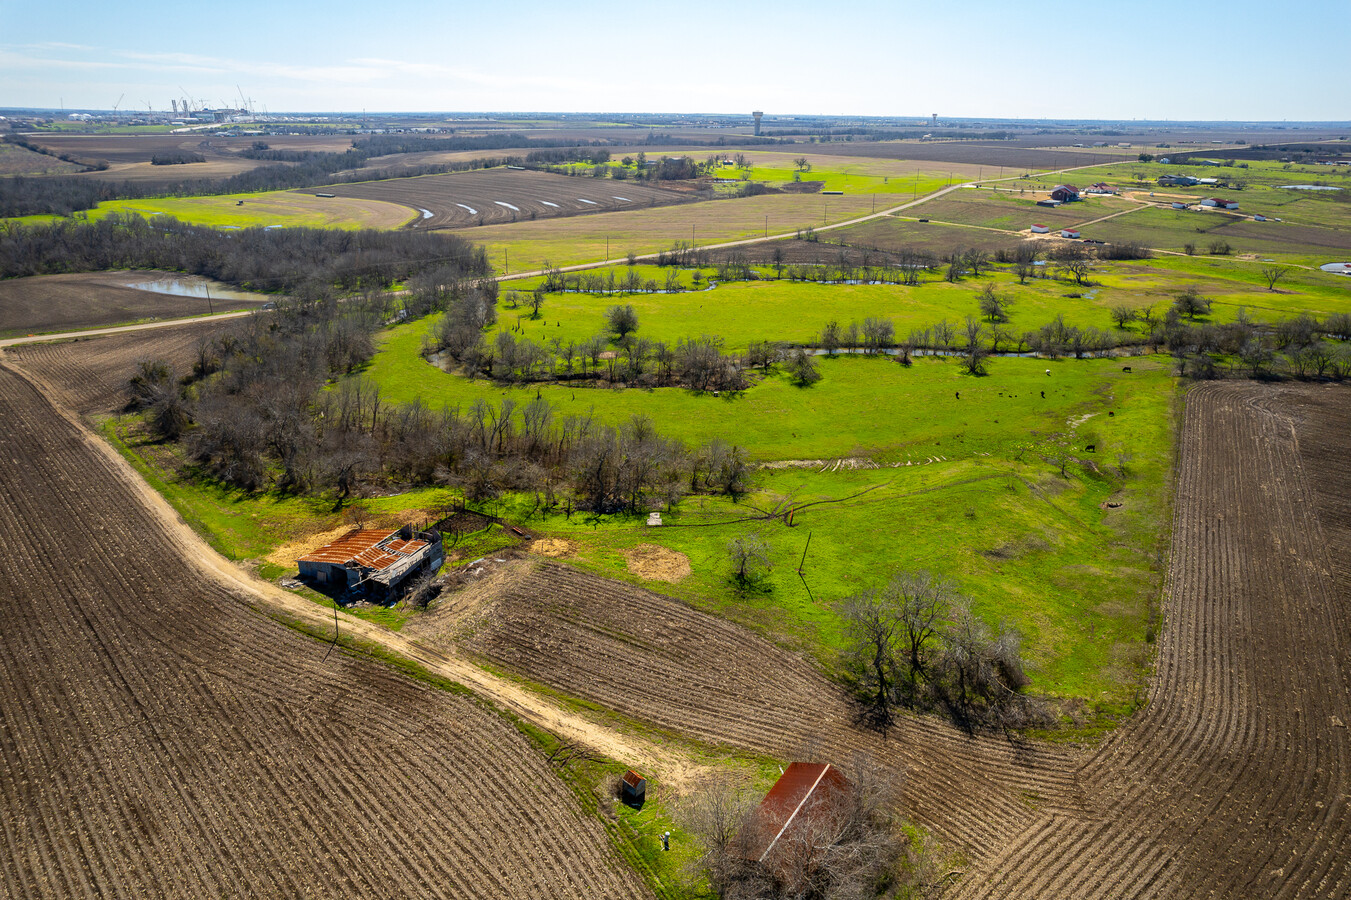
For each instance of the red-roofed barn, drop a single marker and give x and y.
(376, 562)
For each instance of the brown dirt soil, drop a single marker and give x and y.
(657, 660)
(530, 192)
(90, 375)
(655, 563)
(162, 739)
(1235, 781)
(73, 302)
(553, 548)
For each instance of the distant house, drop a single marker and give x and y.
(1177, 180)
(1178, 204)
(1040, 229)
(1069, 232)
(806, 797)
(373, 562)
(1100, 188)
(1065, 193)
(1220, 203)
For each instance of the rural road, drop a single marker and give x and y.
(117, 329)
(674, 767)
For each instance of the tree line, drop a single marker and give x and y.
(279, 259)
(260, 410)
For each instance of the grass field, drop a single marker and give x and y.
(795, 312)
(972, 496)
(272, 208)
(525, 246)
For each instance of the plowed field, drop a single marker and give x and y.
(90, 375)
(158, 738)
(657, 660)
(493, 196)
(1234, 782)
(70, 302)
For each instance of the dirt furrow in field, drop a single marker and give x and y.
(159, 738)
(1234, 781)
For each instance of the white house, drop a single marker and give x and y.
(1040, 229)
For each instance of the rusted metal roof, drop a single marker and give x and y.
(800, 788)
(633, 779)
(369, 548)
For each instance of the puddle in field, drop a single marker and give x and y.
(1309, 187)
(426, 213)
(591, 202)
(507, 205)
(472, 211)
(554, 205)
(180, 286)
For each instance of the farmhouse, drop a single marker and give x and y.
(807, 794)
(374, 562)
(1069, 232)
(1101, 187)
(1220, 203)
(1065, 193)
(1038, 228)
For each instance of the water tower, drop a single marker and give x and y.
(934, 121)
(758, 115)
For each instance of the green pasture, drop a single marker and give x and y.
(287, 209)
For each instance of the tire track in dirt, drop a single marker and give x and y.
(1234, 781)
(159, 738)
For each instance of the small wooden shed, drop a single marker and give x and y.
(633, 789)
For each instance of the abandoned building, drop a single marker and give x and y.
(374, 563)
(806, 797)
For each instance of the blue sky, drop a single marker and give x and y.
(975, 59)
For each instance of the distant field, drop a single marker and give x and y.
(862, 176)
(94, 300)
(894, 234)
(566, 241)
(272, 208)
(1014, 211)
(991, 154)
(16, 160)
(491, 196)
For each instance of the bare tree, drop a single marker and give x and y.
(975, 353)
(1124, 315)
(749, 555)
(1274, 273)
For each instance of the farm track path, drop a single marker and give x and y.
(676, 768)
(160, 738)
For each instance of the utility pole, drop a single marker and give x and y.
(506, 264)
(210, 309)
